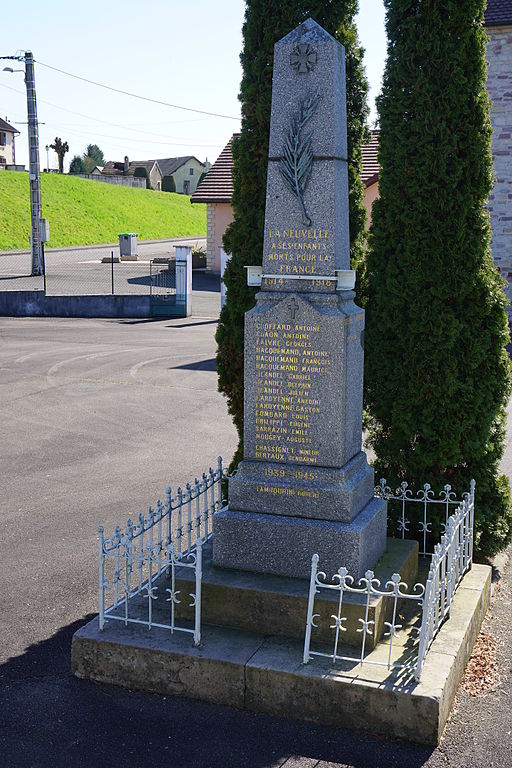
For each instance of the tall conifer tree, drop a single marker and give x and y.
(267, 21)
(437, 371)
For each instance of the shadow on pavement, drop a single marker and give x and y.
(205, 281)
(199, 365)
(48, 718)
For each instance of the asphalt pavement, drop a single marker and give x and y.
(96, 417)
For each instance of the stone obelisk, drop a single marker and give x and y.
(304, 485)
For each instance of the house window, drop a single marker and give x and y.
(191, 171)
(3, 139)
(3, 161)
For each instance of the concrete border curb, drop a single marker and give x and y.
(266, 675)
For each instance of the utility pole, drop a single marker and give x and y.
(34, 169)
(36, 245)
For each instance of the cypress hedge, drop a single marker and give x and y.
(266, 22)
(168, 184)
(437, 370)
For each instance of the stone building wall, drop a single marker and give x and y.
(499, 87)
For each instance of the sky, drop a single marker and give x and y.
(185, 54)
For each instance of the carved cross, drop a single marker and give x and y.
(293, 307)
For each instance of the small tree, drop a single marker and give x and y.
(142, 173)
(202, 177)
(437, 370)
(266, 22)
(168, 184)
(92, 156)
(76, 165)
(60, 147)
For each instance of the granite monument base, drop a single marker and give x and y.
(252, 601)
(295, 490)
(284, 546)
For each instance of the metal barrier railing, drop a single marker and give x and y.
(451, 559)
(169, 537)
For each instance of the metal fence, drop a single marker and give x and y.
(92, 271)
(451, 559)
(412, 510)
(169, 537)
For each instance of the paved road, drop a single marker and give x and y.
(96, 416)
(81, 271)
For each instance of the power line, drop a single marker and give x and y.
(130, 139)
(170, 139)
(136, 95)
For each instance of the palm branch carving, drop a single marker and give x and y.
(295, 167)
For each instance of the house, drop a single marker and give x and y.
(370, 174)
(7, 150)
(127, 168)
(498, 23)
(186, 172)
(216, 191)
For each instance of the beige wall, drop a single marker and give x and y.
(7, 152)
(155, 178)
(371, 193)
(499, 87)
(218, 217)
(183, 174)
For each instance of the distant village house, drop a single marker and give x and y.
(7, 147)
(186, 171)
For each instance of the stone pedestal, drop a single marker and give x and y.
(304, 485)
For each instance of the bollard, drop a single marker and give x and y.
(184, 278)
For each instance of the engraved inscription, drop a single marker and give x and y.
(293, 251)
(291, 367)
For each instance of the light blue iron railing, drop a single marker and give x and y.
(169, 537)
(451, 559)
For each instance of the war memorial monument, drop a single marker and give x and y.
(303, 489)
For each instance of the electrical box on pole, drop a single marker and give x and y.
(44, 230)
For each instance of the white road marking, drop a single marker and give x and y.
(54, 368)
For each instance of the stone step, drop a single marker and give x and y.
(277, 605)
(266, 674)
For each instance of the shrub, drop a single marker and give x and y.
(168, 184)
(142, 173)
(437, 370)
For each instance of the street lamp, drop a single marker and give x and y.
(36, 234)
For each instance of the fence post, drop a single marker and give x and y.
(101, 576)
(224, 258)
(184, 277)
(311, 603)
(44, 266)
(197, 602)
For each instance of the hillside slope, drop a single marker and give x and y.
(84, 212)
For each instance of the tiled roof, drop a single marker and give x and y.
(370, 172)
(113, 168)
(169, 165)
(217, 185)
(498, 13)
(4, 126)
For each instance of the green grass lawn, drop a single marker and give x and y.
(85, 212)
